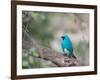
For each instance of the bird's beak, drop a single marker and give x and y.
(62, 37)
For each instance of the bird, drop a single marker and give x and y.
(67, 46)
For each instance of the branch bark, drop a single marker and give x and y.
(48, 54)
(56, 57)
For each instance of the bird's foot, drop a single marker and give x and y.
(65, 54)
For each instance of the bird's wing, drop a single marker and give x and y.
(68, 45)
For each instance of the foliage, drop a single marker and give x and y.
(38, 27)
(30, 60)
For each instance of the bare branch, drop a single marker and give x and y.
(58, 58)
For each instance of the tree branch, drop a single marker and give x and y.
(58, 58)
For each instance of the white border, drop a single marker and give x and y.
(21, 71)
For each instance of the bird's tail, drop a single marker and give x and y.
(74, 56)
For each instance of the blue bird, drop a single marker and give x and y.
(67, 46)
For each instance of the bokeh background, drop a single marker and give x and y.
(46, 28)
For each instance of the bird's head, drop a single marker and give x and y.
(64, 37)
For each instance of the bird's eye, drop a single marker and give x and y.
(63, 37)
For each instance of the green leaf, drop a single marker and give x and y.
(35, 54)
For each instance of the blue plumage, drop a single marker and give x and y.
(67, 46)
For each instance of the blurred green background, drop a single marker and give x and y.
(46, 28)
